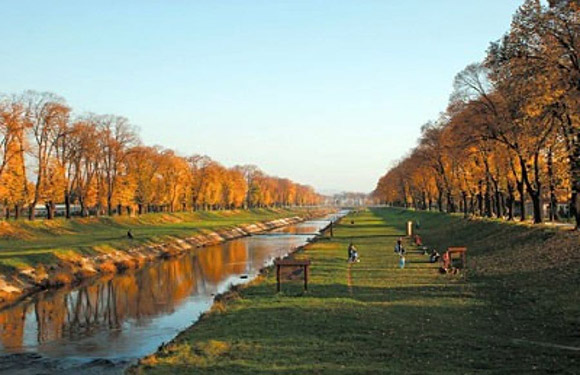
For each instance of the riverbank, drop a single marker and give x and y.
(515, 310)
(44, 254)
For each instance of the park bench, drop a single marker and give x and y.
(305, 264)
(455, 257)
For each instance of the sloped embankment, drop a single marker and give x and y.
(513, 310)
(75, 268)
(527, 275)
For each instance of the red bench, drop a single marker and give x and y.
(453, 254)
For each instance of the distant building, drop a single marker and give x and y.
(351, 199)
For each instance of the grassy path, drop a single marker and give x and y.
(372, 317)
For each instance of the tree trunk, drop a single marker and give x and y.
(450, 202)
(534, 192)
(537, 205)
(16, 211)
(553, 207)
(575, 206)
(498, 200)
(31, 210)
(574, 164)
(487, 201)
(510, 201)
(67, 204)
(83, 208)
(49, 210)
(464, 196)
(522, 201)
(480, 203)
(109, 204)
(503, 205)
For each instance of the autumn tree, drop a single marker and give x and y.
(116, 136)
(47, 118)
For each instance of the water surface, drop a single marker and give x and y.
(120, 318)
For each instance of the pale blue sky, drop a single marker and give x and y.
(326, 93)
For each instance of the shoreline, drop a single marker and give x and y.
(221, 299)
(353, 315)
(82, 269)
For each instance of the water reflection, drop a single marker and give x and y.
(130, 315)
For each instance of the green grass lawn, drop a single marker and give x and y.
(24, 243)
(507, 314)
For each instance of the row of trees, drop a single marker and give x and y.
(511, 132)
(98, 163)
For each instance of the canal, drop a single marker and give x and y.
(101, 327)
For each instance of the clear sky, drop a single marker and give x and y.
(327, 93)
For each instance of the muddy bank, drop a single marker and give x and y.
(35, 364)
(76, 269)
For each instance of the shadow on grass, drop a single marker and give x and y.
(403, 338)
(358, 227)
(294, 288)
(373, 236)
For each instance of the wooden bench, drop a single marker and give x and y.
(448, 257)
(305, 264)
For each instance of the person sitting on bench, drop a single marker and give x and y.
(446, 266)
(352, 253)
(434, 257)
(354, 258)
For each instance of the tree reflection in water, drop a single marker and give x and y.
(134, 312)
(112, 300)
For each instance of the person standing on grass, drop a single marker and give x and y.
(401, 260)
(399, 249)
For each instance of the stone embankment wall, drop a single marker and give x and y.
(80, 268)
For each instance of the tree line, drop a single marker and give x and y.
(98, 163)
(511, 131)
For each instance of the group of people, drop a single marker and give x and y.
(399, 249)
(434, 255)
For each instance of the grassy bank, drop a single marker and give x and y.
(516, 309)
(27, 244)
